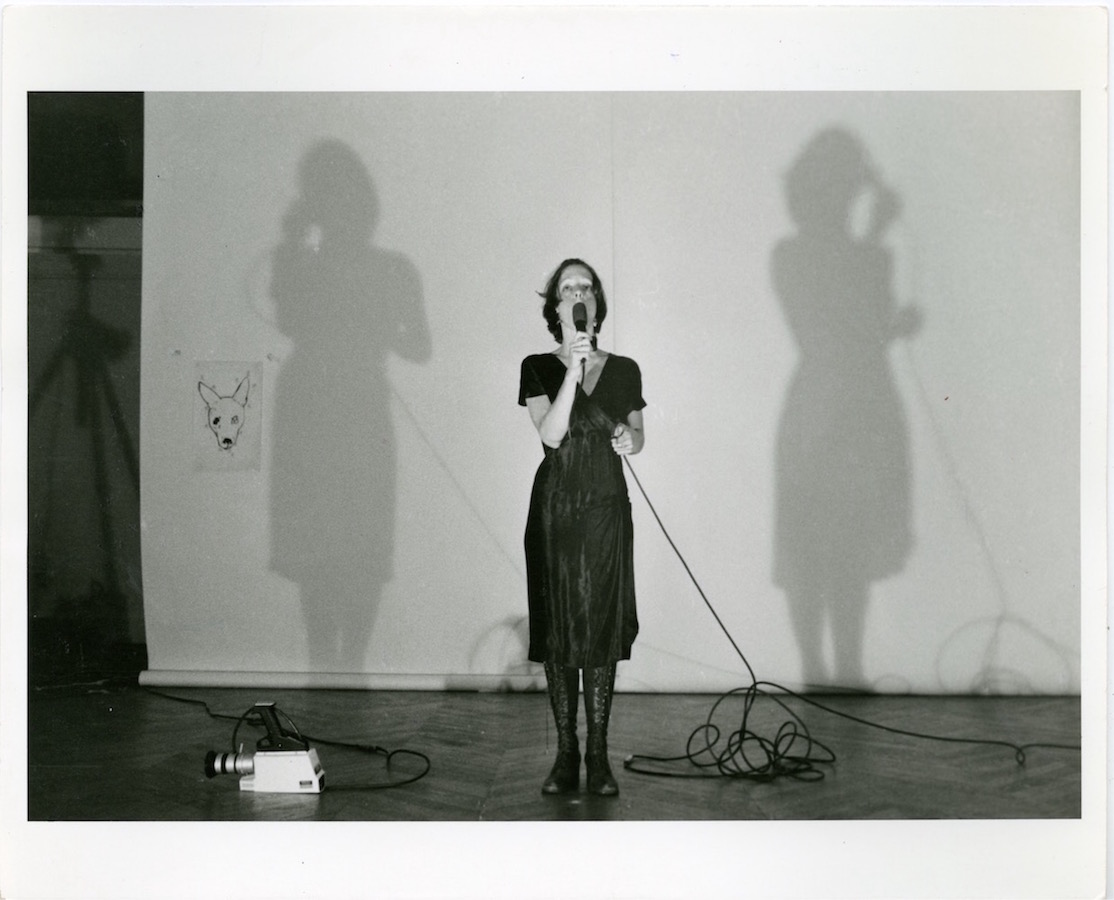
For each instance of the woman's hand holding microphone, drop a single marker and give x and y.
(579, 351)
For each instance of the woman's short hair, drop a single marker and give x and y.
(552, 299)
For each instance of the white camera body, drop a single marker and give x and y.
(284, 772)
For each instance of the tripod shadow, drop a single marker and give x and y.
(83, 473)
(346, 305)
(842, 518)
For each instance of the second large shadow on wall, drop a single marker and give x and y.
(347, 306)
(843, 509)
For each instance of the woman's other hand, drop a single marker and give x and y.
(622, 440)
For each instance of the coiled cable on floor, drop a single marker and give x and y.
(792, 752)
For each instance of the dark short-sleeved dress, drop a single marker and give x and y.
(579, 536)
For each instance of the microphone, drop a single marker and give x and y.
(580, 317)
(580, 321)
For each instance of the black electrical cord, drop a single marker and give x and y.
(371, 749)
(792, 752)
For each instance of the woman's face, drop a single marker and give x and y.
(575, 286)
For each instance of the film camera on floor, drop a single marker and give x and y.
(283, 761)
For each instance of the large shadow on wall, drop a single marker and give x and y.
(347, 306)
(843, 517)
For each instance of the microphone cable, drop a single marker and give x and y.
(370, 749)
(792, 752)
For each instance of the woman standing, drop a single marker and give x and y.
(587, 406)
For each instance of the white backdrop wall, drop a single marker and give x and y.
(369, 262)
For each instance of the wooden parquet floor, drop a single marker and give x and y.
(128, 754)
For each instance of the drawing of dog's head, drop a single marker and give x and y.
(226, 414)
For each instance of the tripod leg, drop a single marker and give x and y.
(44, 381)
(108, 537)
(121, 429)
(41, 519)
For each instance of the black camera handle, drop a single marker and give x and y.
(277, 737)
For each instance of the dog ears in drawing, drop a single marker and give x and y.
(212, 398)
(241, 394)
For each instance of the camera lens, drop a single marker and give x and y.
(228, 764)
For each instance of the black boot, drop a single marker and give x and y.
(564, 692)
(599, 684)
